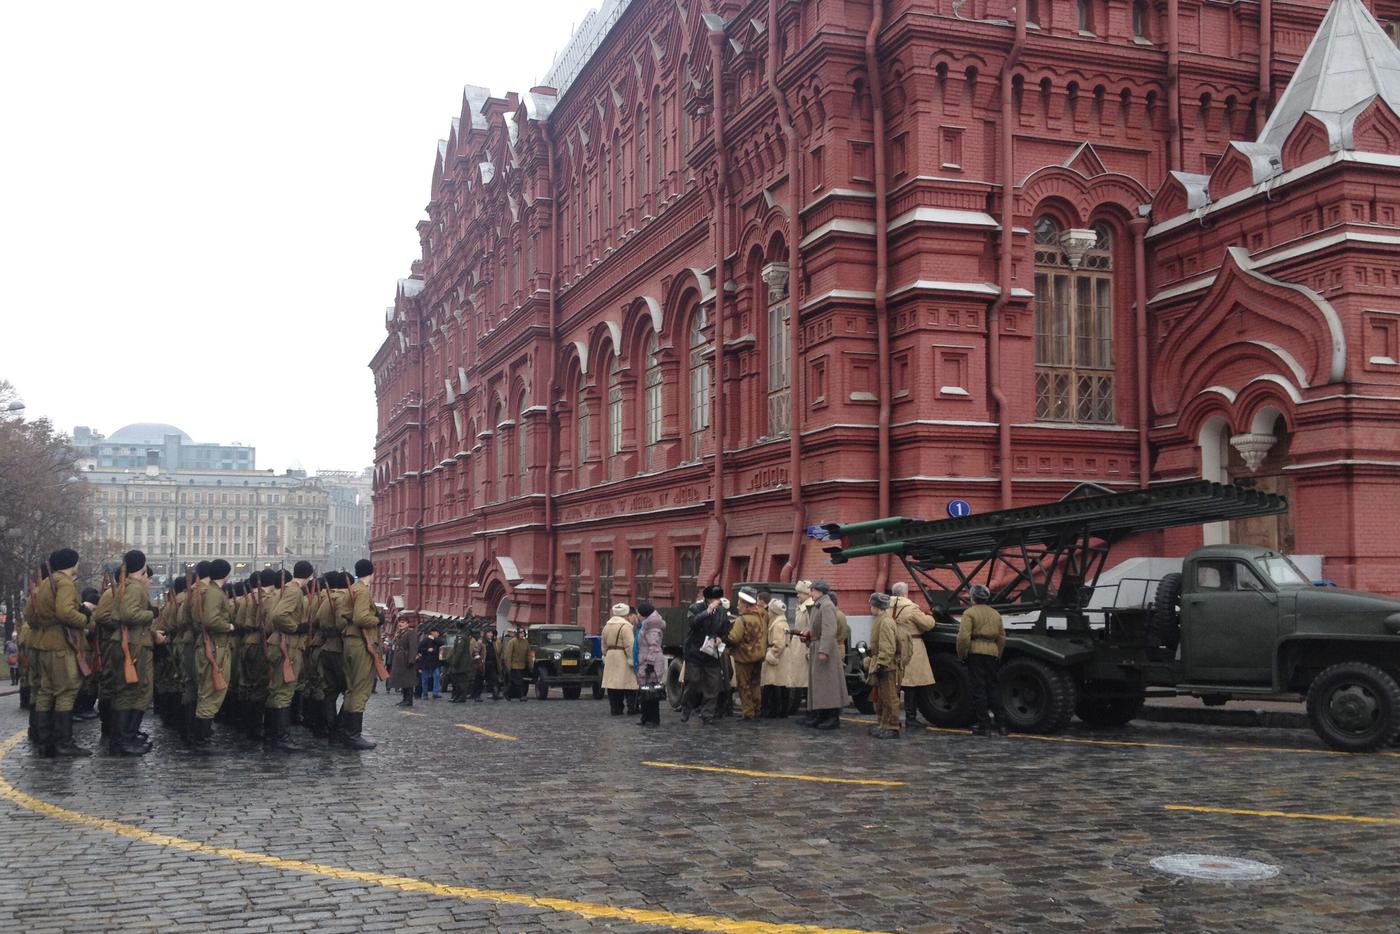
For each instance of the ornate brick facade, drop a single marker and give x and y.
(634, 326)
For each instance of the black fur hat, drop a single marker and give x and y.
(219, 569)
(364, 567)
(179, 585)
(135, 561)
(303, 570)
(63, 559)
(714, 592)
(267, 577)
(201, 570)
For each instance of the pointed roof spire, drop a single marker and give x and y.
(1350, 61)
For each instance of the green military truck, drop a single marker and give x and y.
(1237, 622)
(563, 658)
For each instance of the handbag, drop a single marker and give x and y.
(710, 647)
(652, 693)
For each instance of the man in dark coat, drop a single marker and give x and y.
(404, 676)
(488, 667)
(706, 622)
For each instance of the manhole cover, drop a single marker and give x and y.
(1214, 868)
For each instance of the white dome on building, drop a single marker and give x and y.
(147, 433)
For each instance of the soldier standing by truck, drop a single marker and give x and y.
(981, 638)
(515, 659)
(889, 648)
(746, 638)
(918, 673)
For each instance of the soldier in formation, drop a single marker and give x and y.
(981, 639)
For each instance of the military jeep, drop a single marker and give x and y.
(563, 658)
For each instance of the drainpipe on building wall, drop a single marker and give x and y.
(1139, 228)
(794, 561)
(717, 408)
(1174, 157)
(1266, 64)
(882, 263)
(551, 454)
(1008, 223)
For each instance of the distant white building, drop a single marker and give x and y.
(129, 447)
(351, 512)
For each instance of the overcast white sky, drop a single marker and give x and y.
(204, 206)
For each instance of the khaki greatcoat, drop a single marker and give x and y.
(913, 623)
(618, 640)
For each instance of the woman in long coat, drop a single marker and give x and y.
(775, 701)
(651, 664)
(404, 676)
(618, 677)
(826, 678)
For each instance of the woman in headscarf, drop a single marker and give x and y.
(775, 700)
(618, 677)
(651, 663)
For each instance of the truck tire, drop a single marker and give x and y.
(1036, 697)
(673, 684)
(1354, 707)
(947, 702)
(1106, 710)
(1164, 621)
(541, 685)
(572, 691)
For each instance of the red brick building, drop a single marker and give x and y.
(745, 267)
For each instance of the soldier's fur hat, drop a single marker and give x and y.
(880, 601)
(714, 592)
(179, 585)
(219, 569)
(621, 609)
(267, 577)
(303, 570)
(201, 570)
(645, 609)
(63, 559)
(240, 589)
(134, 561)
(90, 595)
(364, 567)
(821, 586)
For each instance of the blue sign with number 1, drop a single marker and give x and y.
(959, 508)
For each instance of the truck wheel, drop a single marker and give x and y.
(1164, 622)
(1036, 697)
(541, 686)
(947, 702)
(1104, 711)
(1354, 707)
(673, 684)
(572, 691)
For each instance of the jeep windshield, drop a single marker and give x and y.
(573, 637)
(1282, 572)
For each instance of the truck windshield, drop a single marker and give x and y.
(1282, 572)
(564, 638)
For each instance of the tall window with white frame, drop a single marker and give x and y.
(699, 384)
(614, 417)
(502, 457)
(522, 445)
(640, 189)
(583, 423)
(779, 384)
(658, 122)
(1073, 324)
(651, 401)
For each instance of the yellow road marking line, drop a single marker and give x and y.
(1083, 741)
(485, 732)
(1291, 815)
(861, 720)
(677, 921)
(799, 778)
(405, 713)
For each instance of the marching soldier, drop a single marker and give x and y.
(885, 666)
(164, 663)
(361, 663)
(287, 623)
(213, 629)
(332, 615)
(127, 655)
(311, 688)
(58, 625)
(247, 648)
(256, 672)
(185, 641)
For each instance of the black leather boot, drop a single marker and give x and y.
(295, 711)
(63, 735)
(279, 735)
(203, 733)
(34, 731)
(351, 737)
(104, 711)
(134, 729)
(43, 733)
(130, 744)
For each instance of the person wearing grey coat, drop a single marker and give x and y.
(404, 676)
(826, 677)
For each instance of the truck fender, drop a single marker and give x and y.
(1381, 651)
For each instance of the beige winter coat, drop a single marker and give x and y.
(794, 661)
(617, 655)
(913, 623)
(773, 659)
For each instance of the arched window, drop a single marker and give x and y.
(641, 130)
(1073, 324)
(699, 383)
(502, 457)
(619, 184)
(605, 190)
(522, 447)
(651, 401)
(658, 123)
(614, 448)
(583, 424)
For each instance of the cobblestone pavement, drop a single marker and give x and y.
(984, 834)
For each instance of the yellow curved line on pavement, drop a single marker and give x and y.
(1291, 815)
(1193, 747)
(888, 783)
(676, 921)
(485, 732)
